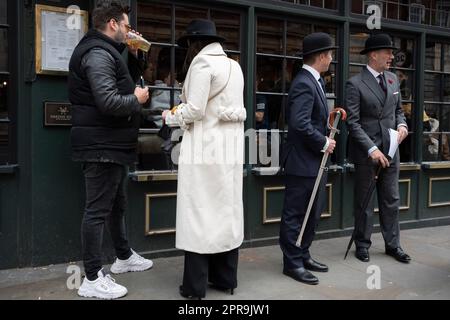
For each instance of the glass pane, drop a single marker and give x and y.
(262, 112)
(274, 107)
(269, 74)
(446, 58)
(180, 55)
(436, 126)
(433, 56)
(158, 66)
(4, 142)
(270, 36)
(392, 11)
(154, 22)
(228, 26)
(3, 97)
(293, 66)
(404, 56)
(331, 4)
(446, 88)
(295, 34)
(184, 15)
(357, 6)
(235, 57)
(406, 148)
(406, 79)
(354, 70)
(330, 81)
(4, 50)
(3, 11)
(357, 43)
(432, 90)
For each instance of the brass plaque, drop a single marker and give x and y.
(57, 114)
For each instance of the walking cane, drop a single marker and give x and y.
(335, 116)
(363, 208)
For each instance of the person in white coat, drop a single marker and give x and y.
(210, 222)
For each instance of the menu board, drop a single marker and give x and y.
(58, 31)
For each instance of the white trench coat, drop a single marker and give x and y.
(210, 171)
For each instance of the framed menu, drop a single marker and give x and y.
(58, 31)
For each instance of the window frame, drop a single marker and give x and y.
(440, 104)
(11, 118)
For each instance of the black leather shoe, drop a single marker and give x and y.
(362, 254)
(312, 265)
(188, 296)
(398, 254)
(222, 288)
(301, 275)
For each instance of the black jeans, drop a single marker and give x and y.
(106, 201)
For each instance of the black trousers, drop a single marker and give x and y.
(219, 269)
(106, 201)
(296, 198)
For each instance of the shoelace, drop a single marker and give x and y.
(108, 277)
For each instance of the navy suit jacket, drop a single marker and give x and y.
(307, 116)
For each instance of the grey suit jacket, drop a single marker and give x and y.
(370, 114)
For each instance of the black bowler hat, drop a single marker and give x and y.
(199, 29)
(377, 42)
(317, 42)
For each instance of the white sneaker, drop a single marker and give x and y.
(134, 263)
(104, 287)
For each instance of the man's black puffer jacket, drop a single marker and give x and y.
(105, 111)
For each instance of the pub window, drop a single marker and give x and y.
(404, 67)
(436, 116)
(326, 4)
(430, 12)
(6, 152)
(162, 24)
(279, 43)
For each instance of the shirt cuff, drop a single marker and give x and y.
(372, 149)
(402, 125)
(325, 147)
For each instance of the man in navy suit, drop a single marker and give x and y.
(307, 117)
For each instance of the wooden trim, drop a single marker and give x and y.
(148, 230)
(266, 220)
(436, 165)
(430, 192)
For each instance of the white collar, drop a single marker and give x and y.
(313, 71)
(373, 72)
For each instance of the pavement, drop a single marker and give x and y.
(260, 274)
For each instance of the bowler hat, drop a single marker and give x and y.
(377, 42)
(199, 29)
(317, 42)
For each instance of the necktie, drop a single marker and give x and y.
(382, 83)
(322, 84)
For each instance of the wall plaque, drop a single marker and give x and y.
(57, 114)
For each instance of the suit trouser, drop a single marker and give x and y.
(106, 200)
(219, 269)
(388, 204)
(296, 198)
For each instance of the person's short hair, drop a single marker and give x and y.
(311, 58)
(106, 10)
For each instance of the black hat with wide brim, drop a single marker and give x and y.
(199, 29)
(317, 42)
(377, 42)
